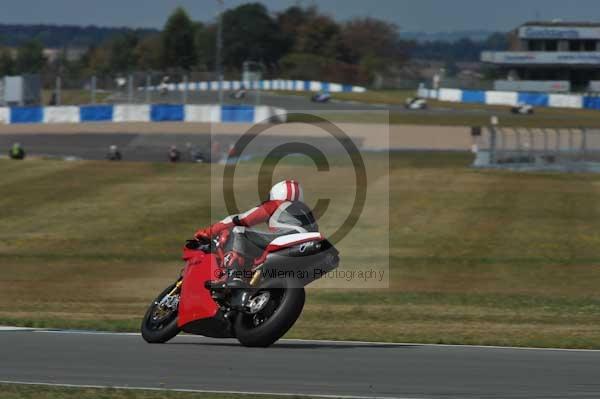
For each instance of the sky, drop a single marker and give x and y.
(409, 15)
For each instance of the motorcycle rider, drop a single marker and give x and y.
(16, 152)
(284, 212)
(174, 154)
(113, 153)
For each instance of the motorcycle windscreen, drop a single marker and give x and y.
(196, 302)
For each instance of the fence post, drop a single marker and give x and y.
(519, 145)
(492, 145)
(571, 145)
(256, 82)
(130, 89)
(148, 83)
(583, 143)
(57, 90)
(93, 89)
(531, 143)
(184, 94)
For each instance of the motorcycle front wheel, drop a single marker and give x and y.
(160, 321)
(273, 310)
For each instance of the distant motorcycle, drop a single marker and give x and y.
(522, 109)
(174, 154)
(238, 94)
(257, 316)
(321, 97)
(416, 103)
(163, 87)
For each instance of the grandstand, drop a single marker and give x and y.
(563, 56)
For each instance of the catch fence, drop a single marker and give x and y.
(568, 149)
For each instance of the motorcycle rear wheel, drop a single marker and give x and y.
(158, 325)
(265, 327)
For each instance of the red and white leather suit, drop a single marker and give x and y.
(284, 196)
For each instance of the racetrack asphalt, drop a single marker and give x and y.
(147, 147)
(297, 367)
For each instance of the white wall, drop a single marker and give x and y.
(501, 98)
(451, 95)
(131, 113)
(565, 101)
(4, 115)
(64, 114)
(202, 113)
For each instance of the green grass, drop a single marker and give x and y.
(75, 97)
(13, 391)
(476, 257)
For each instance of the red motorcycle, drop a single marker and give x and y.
(258, 314)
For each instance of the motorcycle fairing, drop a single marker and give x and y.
(287, 241)
(196, 302)
(302, 258)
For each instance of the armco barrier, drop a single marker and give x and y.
(131, 113)
(451, 95)
(142, 113)
(591, 102)
(535, 99)
(565, 101)
(26, 115)
(96, 113)
(167, 112)
(492, 97)
(237, 113)
(64, 114)
(204, 113)
(501, 98)
(473, 96)
(4, 115)
(276, 84)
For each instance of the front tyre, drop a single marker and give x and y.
(273, 310)
(160, 321)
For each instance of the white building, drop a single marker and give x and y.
(551, 52)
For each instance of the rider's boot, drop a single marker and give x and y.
(233, 278)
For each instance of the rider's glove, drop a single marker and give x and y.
(203, 234)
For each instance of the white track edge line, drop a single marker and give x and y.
(529, 348)
(183, 390)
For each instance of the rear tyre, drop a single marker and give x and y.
(160, 321)
(277, 316)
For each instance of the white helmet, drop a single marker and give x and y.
(287, 190)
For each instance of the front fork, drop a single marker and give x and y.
(177, 286)
(256, 278)
(176, 289)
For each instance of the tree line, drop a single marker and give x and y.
(465, 49)
(296, 43)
